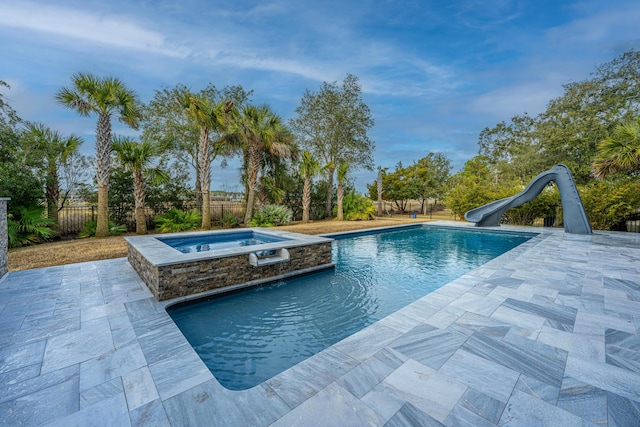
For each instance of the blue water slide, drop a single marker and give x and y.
(575, 218)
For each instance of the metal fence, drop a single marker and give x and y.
(72, 219)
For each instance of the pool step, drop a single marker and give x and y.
(275, 256)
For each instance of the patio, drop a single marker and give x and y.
(546, 334)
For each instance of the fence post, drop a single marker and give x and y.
(4, 237)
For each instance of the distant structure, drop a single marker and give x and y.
(574, 217)
(4, 238)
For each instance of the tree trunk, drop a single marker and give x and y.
(329, 191)
(103, 170)
(139, 196)
(102, 226)
(52, 191)
(253, 165)
(379, 191)
(306, 199)
(339, 196)
(198, 188)
(204, 166)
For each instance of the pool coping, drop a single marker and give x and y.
(367, 378)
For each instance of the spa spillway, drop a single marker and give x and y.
(188, 264)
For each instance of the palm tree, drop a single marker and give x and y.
(620, 152)
(309, 167)
(209, 117)
(136, 158)
(342, 169)
(55, 150)
(106, 97)
(260, 131)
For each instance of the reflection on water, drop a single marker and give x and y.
(248, 337)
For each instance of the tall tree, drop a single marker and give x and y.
(137, 159)
(209, 117)
(106, 97)
(379, 188)
(260, 131)
(619, 152)
(343, 169)
(166, 124)
(309, 167)
(8, 116)
(54, 150)
(427, 177)
(333, 124)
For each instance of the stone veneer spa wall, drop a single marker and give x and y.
(170, 274)
(4, 238)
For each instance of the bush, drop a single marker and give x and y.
(29, 225)
(271, 215)
(229, 220)
(89, 230)
(540, 207)
(176, 220)
(608, 203)
(357, 208)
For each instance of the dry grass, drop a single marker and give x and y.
(92, 249)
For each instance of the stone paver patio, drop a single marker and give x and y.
(546, 334)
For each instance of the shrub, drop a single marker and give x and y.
(229, 220)
(176, 220)
(609, 202)
(89, 230)
(28, 225)
(271, 215)
(357, 208)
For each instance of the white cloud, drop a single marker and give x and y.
(601, 28)
(84, 26)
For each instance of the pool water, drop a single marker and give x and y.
(248, 337)
(210, 242)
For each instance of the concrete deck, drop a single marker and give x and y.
(546, 334)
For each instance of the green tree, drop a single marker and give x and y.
(54, 150)
(166, 124)
(309, 167)
(379, 189)
(209, 117)
(8, 116)
(619, 152)
(471, 187)
(18, 179)
(427, 178)
(260, 132)
(570, 128)
(396, 187)
(609, 202)
(343, 169)
(333, 124)
(137, 159)
(106, 97)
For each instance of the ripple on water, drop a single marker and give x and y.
(247, 337)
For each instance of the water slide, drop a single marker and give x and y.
(575, 218)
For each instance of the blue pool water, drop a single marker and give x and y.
(217, 241)
(248, 337)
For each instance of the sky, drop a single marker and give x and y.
(433, 73)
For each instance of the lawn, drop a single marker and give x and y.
(92, 249)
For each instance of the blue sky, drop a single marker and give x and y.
(434, 73)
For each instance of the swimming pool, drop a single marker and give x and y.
(247, 337)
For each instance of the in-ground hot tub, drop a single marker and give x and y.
(184, 264)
